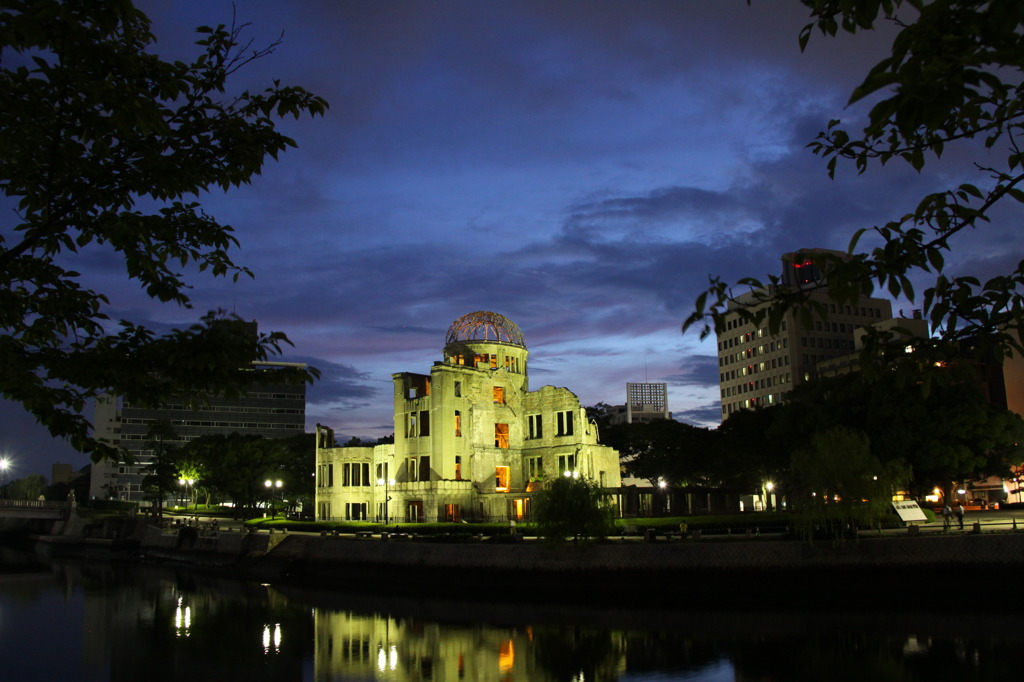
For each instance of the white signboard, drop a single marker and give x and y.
(909, 511)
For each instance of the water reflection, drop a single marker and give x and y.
(112, 622)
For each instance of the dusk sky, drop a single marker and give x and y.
(579, 167)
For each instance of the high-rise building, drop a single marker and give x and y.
(472, 441)
(645, 402)
(757, 368)
(271, 407)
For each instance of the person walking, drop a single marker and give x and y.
(947, 516)
(960, 514)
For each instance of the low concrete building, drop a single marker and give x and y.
(471, 440)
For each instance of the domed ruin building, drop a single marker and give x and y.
(472, 441)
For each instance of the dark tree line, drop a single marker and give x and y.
(914, 439)
(231, 467)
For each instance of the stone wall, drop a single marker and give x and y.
(680, 572)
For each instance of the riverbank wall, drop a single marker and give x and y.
(737, 571)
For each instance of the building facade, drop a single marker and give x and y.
(757, 368)
(472, 441)
(646, 402)
(271, 408)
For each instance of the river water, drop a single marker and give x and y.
(98, 621)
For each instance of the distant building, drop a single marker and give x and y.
(472, 441)
(757, 368)
(645, 402)
(271, 408)
(914, 327)
(63, 473)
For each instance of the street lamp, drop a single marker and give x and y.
(769, 487)
(270, 489)
(186, 483)
(5, 464)
(386, 483)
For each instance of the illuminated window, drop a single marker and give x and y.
(458, 467)
(452, 513)
(458, 423)
(499, 395)
(501, 435)
(506, 656)
(501, 478)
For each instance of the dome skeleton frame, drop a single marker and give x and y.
(484, 326)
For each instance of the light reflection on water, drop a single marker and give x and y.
(119, 622)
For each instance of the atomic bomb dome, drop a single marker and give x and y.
(484, 326)
(472, 441)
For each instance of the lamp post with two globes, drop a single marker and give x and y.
(271, 485)
(187, 484)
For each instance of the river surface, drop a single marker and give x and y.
(85, 622)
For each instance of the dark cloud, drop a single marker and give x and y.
(707, 415)
(339, 385)
(696, 370)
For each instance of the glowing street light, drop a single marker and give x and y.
(187, 483)
(664, 504)
(769, 486)
(270, 485)
(5, 464)
(386, 483)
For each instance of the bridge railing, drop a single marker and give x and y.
(33, 504)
